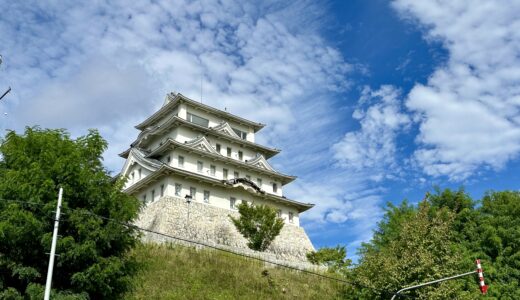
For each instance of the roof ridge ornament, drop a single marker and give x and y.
(243, 181)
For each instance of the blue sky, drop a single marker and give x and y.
(371, 101)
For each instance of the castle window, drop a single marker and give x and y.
(178, 189)
(180, 161)
(240, 133)
(217, 146)
(248, 177)
(168, 159)
(236, 174)
(279, 213)
(240, 155)
(212, 170)
(275, 188)
(291, 217)
(200, 166)
(139, 172)
(232, 203)
(206, 196)
(225, 173)
(153, 195)
(228, 151)
(144, 198)
(197, 120)
(162, 190)
(193, 192)
(259, 182)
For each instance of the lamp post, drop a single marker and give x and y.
(188, 200)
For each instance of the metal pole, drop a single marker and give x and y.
(53, 247)
(6, 92)
(431, 282)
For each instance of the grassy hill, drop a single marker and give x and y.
(179, 272)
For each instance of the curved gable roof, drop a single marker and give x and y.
(137, 156)
(261, 162)
(201, 143)
(225, 128)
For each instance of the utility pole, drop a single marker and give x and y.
(53, 247)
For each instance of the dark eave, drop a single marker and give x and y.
(125, 153)
(175, 99)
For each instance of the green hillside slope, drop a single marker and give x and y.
(177, 272)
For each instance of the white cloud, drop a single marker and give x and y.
(350, 195)
(373, 147)
(109, 64)
(468, 110)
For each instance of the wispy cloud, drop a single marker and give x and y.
(108, 64)
(469, 109)
(373, 147)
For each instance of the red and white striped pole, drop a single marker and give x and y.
(483, 287)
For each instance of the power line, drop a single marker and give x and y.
(86, 212)
(232, 252)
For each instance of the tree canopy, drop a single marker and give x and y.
(93, 256)
(443, 235)
(335, 259)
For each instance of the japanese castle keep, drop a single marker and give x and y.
(192, 164)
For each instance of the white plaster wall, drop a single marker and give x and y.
(219, 196)
(190, 164)
(216, 120)
(156, 186)
(183, 134)
(134, 169)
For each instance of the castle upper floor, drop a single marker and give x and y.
(202, 115)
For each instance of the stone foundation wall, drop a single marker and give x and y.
(211, 225)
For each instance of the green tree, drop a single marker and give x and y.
(497, 242)
(333, 258)
(93, 252)
(259, 224)
(420, 250)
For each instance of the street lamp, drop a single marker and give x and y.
(188, 200)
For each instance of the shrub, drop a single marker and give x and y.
(259, 224)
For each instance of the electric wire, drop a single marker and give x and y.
(86, 212)
(232, 252)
